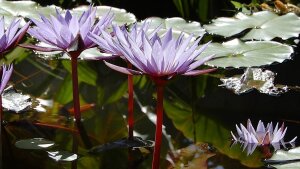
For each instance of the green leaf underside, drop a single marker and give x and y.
(264, 25)
(236, 53)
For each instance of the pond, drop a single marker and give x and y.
(199, 115)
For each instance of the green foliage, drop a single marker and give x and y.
(236, 53)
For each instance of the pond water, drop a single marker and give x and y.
(198, 118)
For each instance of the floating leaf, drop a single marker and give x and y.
(285, 159)
(179, 25)
(236, 53)
(62, 156)
(121, 16)
(264, 25)
(34, 144)
(254, 78)
(28, 9)
(137, 142)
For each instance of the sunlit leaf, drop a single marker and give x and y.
(34, 144)
(236, 53)
(121, 16)
(62, 156)
(178, 25)
(264, 25)
(254, 78)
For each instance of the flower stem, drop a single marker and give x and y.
(130, 104)
(159, 122)
(76, 103)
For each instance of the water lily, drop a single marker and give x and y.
(68, 33)
(262, 135)
(106, 43)
(161, 58)
(11, 36)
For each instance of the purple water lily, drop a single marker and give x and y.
(11, 36)
(69, 34)
(161, 59)
(106, 42)
(262, 135)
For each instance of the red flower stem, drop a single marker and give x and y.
(76, 103)
(159, 122)
(130, 104)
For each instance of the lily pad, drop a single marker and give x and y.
(137, 142)
(264, 25)
(179, 25)
(254, 78)
(63, 156)
(27, 9)
(236, 53)
(34, 144)
(121, 16)
(285, 159)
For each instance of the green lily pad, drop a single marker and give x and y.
(34, 144)
(27, 9)
(121, 16)
(179, 25)
(264, 25)
(285, 159)
(236, 53)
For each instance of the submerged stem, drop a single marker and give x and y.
(130, 104)
(76, 102)
(159, 122)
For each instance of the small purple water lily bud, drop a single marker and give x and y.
(6, 73)
(11, 36)
(158, 57)
(262, 135)
(68, 32)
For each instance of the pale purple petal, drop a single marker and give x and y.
(123, 70)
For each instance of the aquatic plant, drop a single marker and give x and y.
(69, 34)
(262, 135)
(160, 59)
(106, 44)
